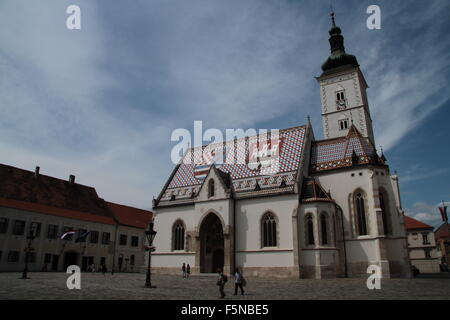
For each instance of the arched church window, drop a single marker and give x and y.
(324, 229)
(310, 230)
(211, 190)
(340, 100)
(178, 236)
(343, 124)
(384, 213)
(269, 226)
(361, 214)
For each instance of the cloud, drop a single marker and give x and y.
(407, 71)
(416, 175)
(102, 102)
(426, 213)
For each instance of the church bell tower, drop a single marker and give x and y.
(343, 91)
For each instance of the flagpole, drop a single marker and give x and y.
(448, 231)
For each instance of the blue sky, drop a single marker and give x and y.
(101, 102)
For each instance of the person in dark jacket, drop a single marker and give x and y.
(238, 282)
(221, 283)
(183, 270)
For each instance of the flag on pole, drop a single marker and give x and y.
(82, 237)
(443, 211)
(67, 234)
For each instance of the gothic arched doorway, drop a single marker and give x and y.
(70, 258)
(211, 244)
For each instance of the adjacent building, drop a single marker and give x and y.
(443, 243)
(47, 207)
(421, 246)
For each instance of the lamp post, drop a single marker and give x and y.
(150, 234)
(31, 236)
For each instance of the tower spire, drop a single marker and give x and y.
(338, 55)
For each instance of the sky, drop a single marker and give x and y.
(101, 102)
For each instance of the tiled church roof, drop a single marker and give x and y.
(313, 191)
(183, 182)
(337, 153)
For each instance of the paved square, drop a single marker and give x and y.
(130, 286)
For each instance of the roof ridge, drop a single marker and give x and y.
(46, 176)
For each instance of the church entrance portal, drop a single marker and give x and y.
(211, 244)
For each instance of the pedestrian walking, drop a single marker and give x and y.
(104, 269)
(238, 282)
(221, 283)
(183, 270)
(188, 270)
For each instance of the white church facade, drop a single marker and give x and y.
(308, 209)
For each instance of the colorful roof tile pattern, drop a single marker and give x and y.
(337, 153)
(265, 160)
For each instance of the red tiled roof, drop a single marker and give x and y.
(130, 216)
(412, 223)
(22, 185)
(61, 212)
(21, 189)
(442, 232)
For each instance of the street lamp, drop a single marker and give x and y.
(31, 236)
(150, 234)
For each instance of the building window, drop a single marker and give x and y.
(361, 214)
(384, 213)
(13, 256)
(132, 260)
(134, 241)
(123, 240)
(269, 230)
(31, 256)
(47, 258)
(427, 253)
(93, 237)
(211, 190)
(19, 228)
(35, 229)
(310, 229)
(106, 236)
(323, 229)
(343, 124)
(81, 235)
(340, 95)
(3, 225)
(178, 235)
(52, 231)
(340, 100)
(425, 238)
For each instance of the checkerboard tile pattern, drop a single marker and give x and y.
(336, 153)
(292, 142)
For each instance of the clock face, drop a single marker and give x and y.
(340, 104)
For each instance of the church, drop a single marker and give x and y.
(300, 208)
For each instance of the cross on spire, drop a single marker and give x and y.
(332, 14)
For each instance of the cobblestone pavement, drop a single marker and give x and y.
(131, 286)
